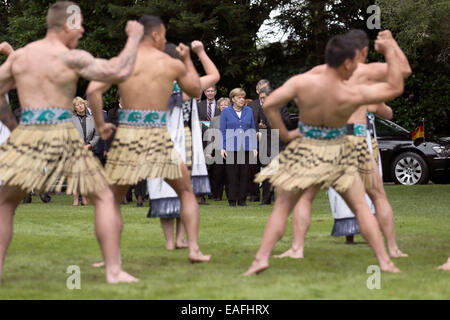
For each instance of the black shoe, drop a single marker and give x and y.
(140, 205)
(45, 197)
(232, 203)
(27, 199)
(242, 203)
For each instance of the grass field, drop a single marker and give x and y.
(50, 237)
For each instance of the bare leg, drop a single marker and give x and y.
(180, 242)
(385, 214)
(189, 213)
(301, 220)
(368, 225)
(108, 228)
(10, 198)
(274, 231)
(168, 230)
(445, 266)
(76, 197)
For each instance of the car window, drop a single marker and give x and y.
(389, 128)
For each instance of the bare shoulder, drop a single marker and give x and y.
(77, 58)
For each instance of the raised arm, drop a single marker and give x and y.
(377, 71)
(115, 70)
(188, 78)
(94, 95)
(212, 73)
(383, 91)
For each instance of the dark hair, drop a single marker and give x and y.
(150, 23)
(360, 37)
(171, 50)
(340, 48)
(267, 90)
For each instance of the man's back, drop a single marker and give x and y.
(42, 78)
(151, 83)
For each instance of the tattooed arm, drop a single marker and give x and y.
(115, 70)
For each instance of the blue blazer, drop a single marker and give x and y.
(238, 133)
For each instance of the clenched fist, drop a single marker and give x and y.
(134, 29)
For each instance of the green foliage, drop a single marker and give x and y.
(229, 30)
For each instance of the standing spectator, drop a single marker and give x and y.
(265, 143)
(238, 140)
(207, 108)
(256, 105)
(85, 124)
(218, 170)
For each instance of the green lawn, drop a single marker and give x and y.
(50, 237)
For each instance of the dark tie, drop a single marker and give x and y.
(209, 115)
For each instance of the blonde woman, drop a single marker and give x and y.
(239, 143)
(85, 124)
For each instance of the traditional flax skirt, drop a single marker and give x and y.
(357, 138)
(376, 150)
(322, 157)
(142, 149)
(45, 152)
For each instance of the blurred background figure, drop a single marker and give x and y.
(238, 141)
(85, 124)
(218, 170)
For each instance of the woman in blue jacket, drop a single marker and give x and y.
(238, 140)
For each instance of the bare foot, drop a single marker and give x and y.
(389, 267)
(256, 268)
(122, 277)
(291, 253)
(445, 266)
(98, 265)
(198, 257)
(170, 246)
(181, 244)
(397, 253)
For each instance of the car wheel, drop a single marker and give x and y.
(409, 168)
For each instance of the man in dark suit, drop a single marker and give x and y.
(265, 146)
(253, 188)
(208, 109)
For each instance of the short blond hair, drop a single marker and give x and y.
(58, 14)
(227, 100)
(237, 92)
(79, 99)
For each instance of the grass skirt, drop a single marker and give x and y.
(376, 150)
(140, 152)
(308, 162)
(359, 149)
(45, 157)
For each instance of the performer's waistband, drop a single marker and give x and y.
(320, 133)
(143, 118)
(45, 116)
(356, 129)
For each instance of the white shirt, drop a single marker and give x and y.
(239, 114)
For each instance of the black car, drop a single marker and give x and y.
(404, 162)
